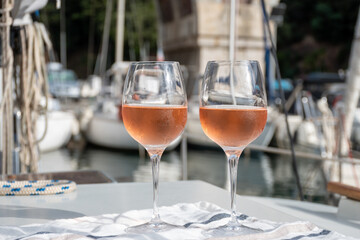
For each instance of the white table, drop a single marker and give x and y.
(97, 199)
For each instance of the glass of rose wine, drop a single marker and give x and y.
(233, 114)
(154, 112)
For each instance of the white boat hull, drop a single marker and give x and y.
(107, 131)
(59, 130)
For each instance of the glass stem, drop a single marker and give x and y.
(155, 159)
(233, 159)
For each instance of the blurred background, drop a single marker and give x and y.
(94, 41)
(314, 35)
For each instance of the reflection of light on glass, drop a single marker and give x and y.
(170, 169)
(149, 83)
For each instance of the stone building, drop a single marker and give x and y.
(194, 32)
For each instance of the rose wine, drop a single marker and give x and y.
(154, 125)
(233, 126)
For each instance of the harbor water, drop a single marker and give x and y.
(259, 174)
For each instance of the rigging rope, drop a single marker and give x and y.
(282, 95)
(6, 106)
(33, 87)
(30, 87)
(37, 187)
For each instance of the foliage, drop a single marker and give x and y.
(85, 23)
(329, 25)
(315, 35)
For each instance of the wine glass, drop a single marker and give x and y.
(233, 113)
(154, 111)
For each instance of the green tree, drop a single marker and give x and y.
(85, 23)
(316, 36)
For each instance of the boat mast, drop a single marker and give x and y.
(159, 42)
(105, 39)
(119, 47)
(353, 80)
(63, 56)
(120, 31)
(232, 45)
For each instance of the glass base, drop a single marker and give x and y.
(151, 227)
(230, 230)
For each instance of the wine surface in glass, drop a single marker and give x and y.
(233, 126)
(154, 125)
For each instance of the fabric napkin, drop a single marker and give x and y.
(194, 221)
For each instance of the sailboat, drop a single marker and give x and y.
(104, 126)
(54, 128)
